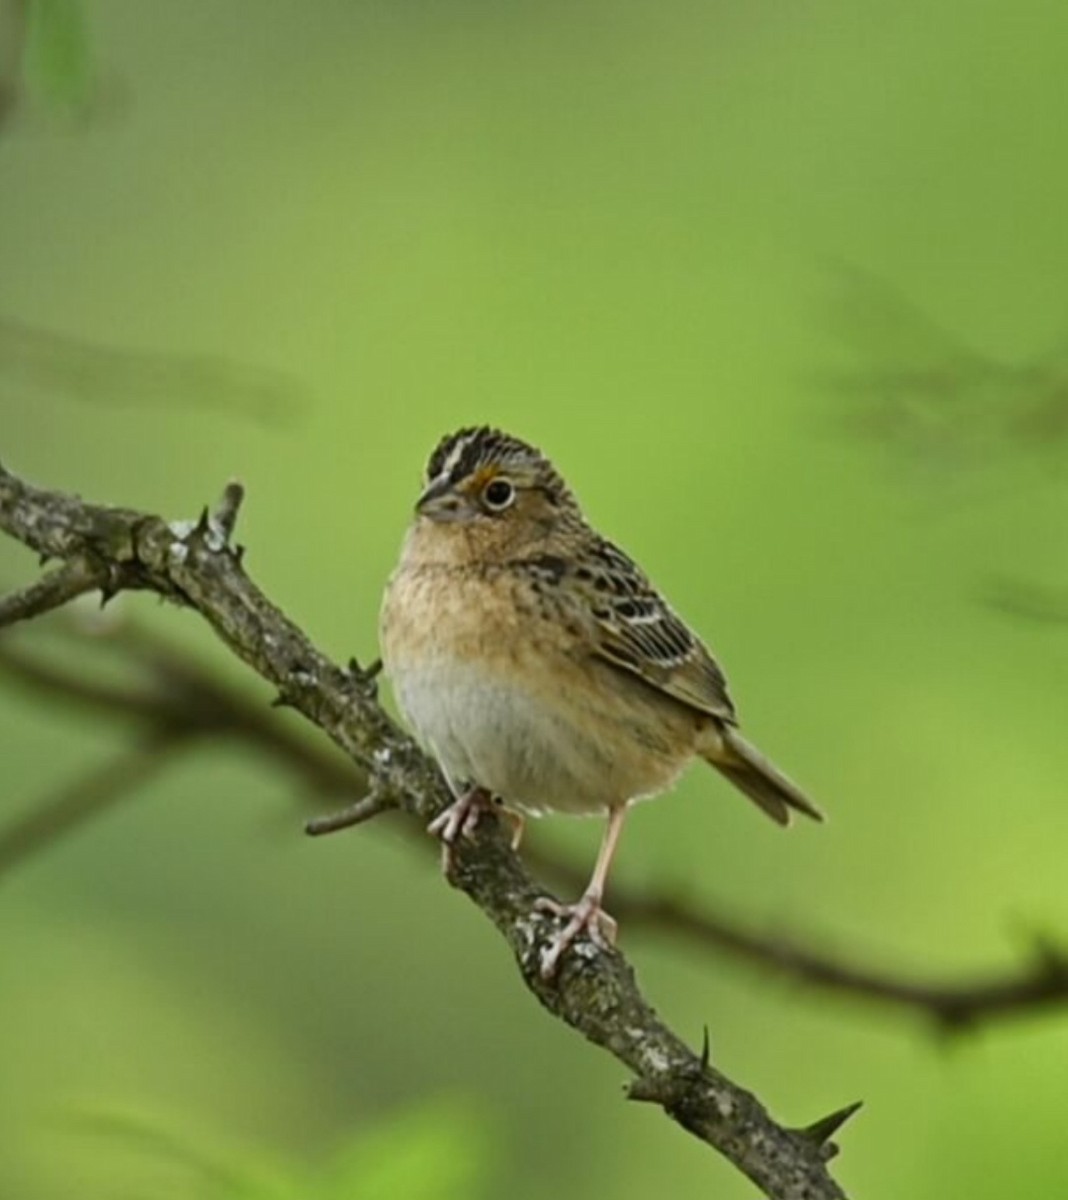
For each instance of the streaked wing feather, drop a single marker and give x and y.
(637, 630)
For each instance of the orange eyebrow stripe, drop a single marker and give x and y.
(481, 477)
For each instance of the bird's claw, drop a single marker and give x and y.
(587, 916)
(459, 820)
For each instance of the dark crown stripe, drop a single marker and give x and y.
(462, 453)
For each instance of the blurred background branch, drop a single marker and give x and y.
(945, 413)
(38, 363)
(1036, 603)
(917, 391)
(12, 49)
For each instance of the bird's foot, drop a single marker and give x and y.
(587, 916)
(459, 820)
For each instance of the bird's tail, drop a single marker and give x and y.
(760, 780)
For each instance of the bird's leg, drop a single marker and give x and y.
(515, 819)
(587, 915)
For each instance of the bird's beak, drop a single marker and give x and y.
(441, 503)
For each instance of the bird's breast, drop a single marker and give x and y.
(493, 680)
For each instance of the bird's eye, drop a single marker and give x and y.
(498, 494)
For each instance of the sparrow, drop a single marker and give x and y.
(541, 668)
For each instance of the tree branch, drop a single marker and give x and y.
(1039, 603)
(81, 799)
(595, 990)
(74, 578)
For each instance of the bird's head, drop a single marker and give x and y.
(498, 490)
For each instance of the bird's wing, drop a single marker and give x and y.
(635, 629)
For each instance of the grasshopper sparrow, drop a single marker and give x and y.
(542, 669)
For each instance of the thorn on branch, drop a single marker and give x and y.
(110, 585)
(215, 529)
(371, 805)
(365, 679)
(706, 1050)
(820, 1132)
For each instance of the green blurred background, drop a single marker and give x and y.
(605, 227)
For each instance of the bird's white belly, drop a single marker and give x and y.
(486, 730)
